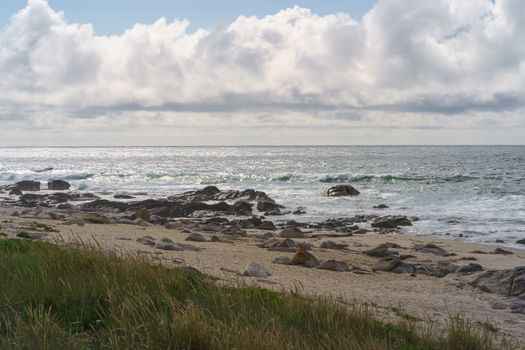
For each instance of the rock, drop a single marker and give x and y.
(379, 251)
(283, 260)
(341, 190)
(391, 221)
(256, 270)
(266, 225)
(470, 268)
(215, 238)
(333, 245)
(500, 241)
(334, 265)
(274, 212)
(521, 241)
(381, 206)
(55, 216)
(75, 221)
(443, 269)
(509, 282)
(501, 252)
(167, 240)
(15, 192)
(58, 185)
(143, 214)
(31, 235)
(302, 257)
(147, 240)
(169, 246)
(27, 186)
(265, 206)
(96, 218)
(430, 248)
(291, 232)
(394, 265)
(123, 196)
(196, 237)
(65, 206)
(242, 208)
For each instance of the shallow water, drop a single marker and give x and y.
(478, 192)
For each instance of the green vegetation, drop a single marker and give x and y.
(69, 297)
(24, 234)
(39, 227)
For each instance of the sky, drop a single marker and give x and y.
(261, 73)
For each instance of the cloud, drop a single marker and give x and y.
(407, 65)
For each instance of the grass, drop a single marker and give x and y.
(70, 297)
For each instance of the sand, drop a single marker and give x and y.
(423, 296)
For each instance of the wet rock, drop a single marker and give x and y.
(381, 206)
(147, 240)
(501, 252)
(46, 200)
(212, 193)
(509, 282)
(341, 190)
(265, 206)
(299, 211)
(65, 206)
(304, 258)
(242, 208)
(430, 248)
(196, 237)
(96, 218)
(123, 196)
(58, 185)
(291, 232)
(521, 241)
(274, 212)
(334, 265)
(26, 186)
(15, 192)
(256, 270)
(266, 225)
(391, 221)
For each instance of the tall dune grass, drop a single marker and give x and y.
(71, 297)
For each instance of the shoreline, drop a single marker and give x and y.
(419, 293)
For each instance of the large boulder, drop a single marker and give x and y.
(265, 206)
(58, 185)
(27, 186)
(341, 190)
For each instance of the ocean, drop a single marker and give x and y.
(472, 193)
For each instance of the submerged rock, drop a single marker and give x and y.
(341, 190)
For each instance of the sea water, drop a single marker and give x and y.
(474, 193)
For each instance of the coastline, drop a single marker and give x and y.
(422, 295)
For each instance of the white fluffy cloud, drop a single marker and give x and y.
(410, 71)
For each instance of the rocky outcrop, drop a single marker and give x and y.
(47, 200)
(26, 186)
(212, 193)
(58, 185)
(510, 283)
(341, 190)
(265, 206)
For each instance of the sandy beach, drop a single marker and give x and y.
(421, 295)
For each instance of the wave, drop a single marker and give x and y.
(79, 177)
(396, 178)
